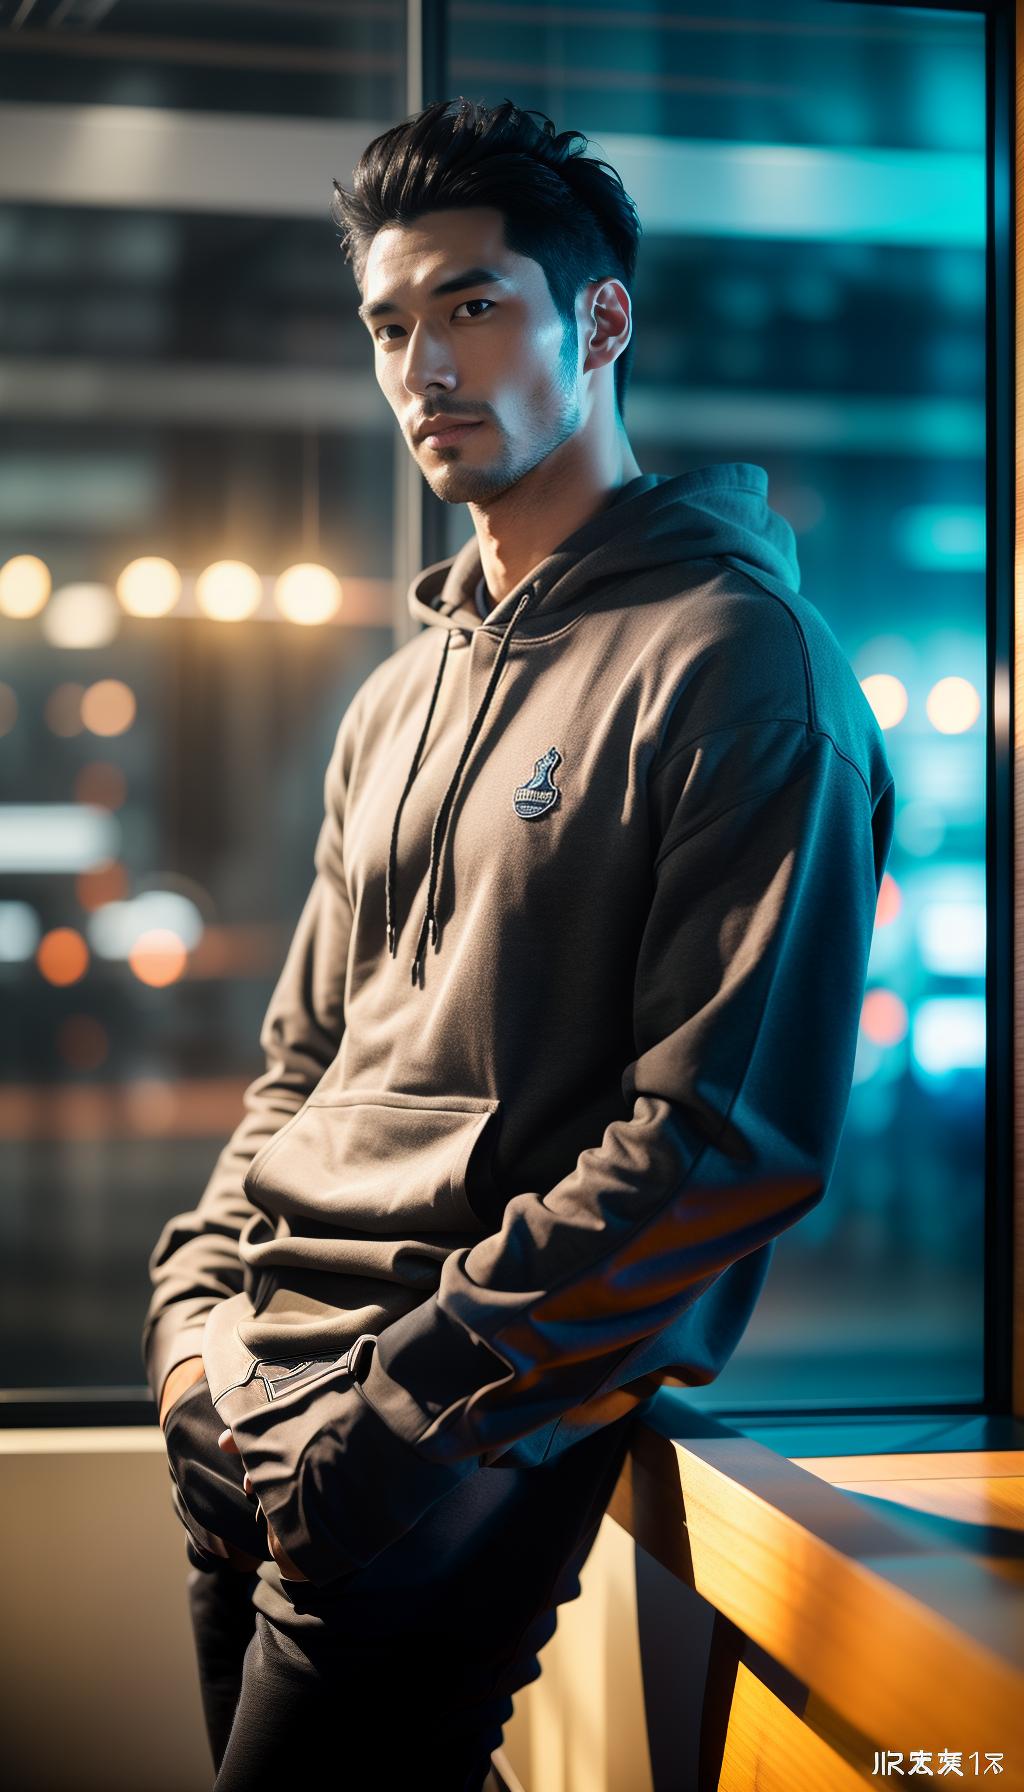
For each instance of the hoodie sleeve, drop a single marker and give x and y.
(195, 1262)
(768, 854)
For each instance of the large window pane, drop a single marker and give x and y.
(184, 376)
(188, 382)
(811, 296)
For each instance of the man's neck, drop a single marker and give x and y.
(546, 506)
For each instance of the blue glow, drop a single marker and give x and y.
(704, 187)
(951, 938)
(948, 1034)
(942, 538)
(946, 769)
(20, 931)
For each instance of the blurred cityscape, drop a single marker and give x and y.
(198, 515)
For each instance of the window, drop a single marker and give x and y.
(810, 295)
(822, 289)
(184, 379)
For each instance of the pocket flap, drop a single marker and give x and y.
(375, 1162)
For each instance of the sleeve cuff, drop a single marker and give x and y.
(422, 1377)
(170, 1341)
(336, 1483)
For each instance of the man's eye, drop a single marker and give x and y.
(474, 302)
(379, 338)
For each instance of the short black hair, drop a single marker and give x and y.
(567, 211)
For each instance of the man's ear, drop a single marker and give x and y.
(607, 322)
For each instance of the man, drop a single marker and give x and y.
(565, 1035)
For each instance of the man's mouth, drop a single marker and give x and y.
(446, 438)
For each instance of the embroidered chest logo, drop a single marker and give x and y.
(539, 794)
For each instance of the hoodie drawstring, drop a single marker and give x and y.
(413, 769)
(440, 828)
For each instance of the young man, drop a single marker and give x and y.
(565, 1035)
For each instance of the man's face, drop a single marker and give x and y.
(495, 351)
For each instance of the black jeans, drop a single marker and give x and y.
(401, 1674)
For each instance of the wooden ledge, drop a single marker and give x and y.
(891, 1589)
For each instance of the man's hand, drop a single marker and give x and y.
(183, 1376)
(289, 1570)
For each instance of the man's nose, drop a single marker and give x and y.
(428, 364)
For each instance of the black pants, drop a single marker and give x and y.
(400, 1675)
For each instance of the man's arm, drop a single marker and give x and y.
(749, 982)
(195, 1262)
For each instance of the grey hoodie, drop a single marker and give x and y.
(565, 1035)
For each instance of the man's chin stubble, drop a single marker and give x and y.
(471, 485)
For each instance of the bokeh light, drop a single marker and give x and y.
(158, 957)
(884, 1017)
(890, 901)
(308, 594)
(108, 706)
(149, 586)
(228, 591)
(20, 929)
(81, 616)
(953, 705)
(62, 955)
(887, 696)
(24, 586)
(116, 928)
(949, 1035)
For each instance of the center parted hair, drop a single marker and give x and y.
(565, 210)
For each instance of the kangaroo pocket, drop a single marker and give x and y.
(359, 1177)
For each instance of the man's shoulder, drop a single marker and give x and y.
(755, 650)
(372, 699)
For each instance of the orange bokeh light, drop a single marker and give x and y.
(108, 706)
(108, 883)
(883, 1017)
(62, 955)
(158, 957)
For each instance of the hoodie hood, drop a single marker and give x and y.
(653, 520)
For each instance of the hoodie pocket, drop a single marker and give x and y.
(379, 1163)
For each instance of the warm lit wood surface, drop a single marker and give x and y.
(889, 1586)
(923, 1465)
(771, 1748)
(972, 1491)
